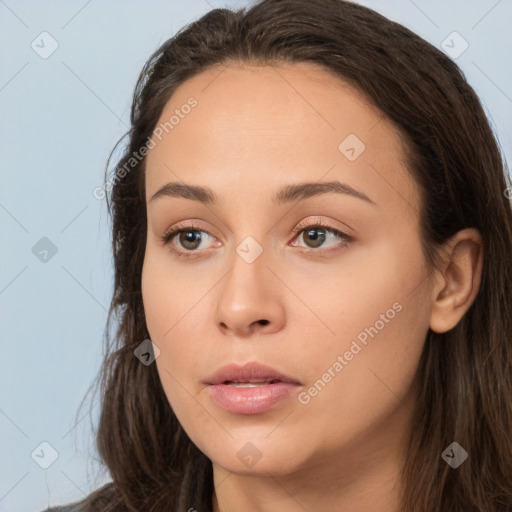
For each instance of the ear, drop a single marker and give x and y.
(458, 280)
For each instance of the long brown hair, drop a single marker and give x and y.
(465, 374)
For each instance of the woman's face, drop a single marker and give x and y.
(269, 280)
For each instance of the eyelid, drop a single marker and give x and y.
(320, 222)
(191, 225)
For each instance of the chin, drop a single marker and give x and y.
(256, 458)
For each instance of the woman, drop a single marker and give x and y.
(312, 239)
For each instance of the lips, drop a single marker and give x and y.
(250, 373)
(250, 389)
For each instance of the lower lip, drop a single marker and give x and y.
(252, 400)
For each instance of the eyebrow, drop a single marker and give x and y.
(287, 194)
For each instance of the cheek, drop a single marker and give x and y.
(372, 381)
(169, 308)
(163, 308)
(368, 369)
(168, 296)
(362, 295)
(174, 304)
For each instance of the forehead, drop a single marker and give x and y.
(259, 127)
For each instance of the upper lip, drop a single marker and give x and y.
(253, 370)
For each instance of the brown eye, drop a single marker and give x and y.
(186, 240)
(190, 239)
(315, 235)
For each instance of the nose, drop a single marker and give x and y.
(249, 300)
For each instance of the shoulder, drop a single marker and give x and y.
(64, 508)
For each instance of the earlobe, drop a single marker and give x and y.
(458, 280)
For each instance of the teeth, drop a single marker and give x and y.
(251, 383)
(248, 384)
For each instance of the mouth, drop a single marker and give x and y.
(250, 389)
(251, 373)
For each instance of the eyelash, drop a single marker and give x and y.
(176, 230)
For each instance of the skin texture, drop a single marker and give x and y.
(255, 130)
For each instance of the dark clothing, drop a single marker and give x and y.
(65, 508)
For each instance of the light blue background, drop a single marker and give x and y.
(60, 117)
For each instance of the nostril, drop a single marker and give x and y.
(263, 322)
